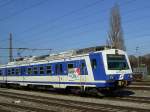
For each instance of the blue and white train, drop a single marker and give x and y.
(94, 67)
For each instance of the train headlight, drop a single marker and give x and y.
(111, 77)
(130, 76)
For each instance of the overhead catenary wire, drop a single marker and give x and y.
(131, 21)
(69, 14)
(80, 26)
(22, 10)
(3, 1)
(6, 3)
(62, 16)
(3, 40)
(29, 49)
(125, 39)
(51, 49)
(90, 5)
(26, 48)
(39, 33)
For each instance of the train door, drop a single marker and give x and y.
(73, 70)
(97, 66)
(83, 72)
(22, 71)
(59, 72)
(7, 73)
(2, 75)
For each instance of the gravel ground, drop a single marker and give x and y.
(27, 104)
(141, 93)
(139, 86)
(91, 100)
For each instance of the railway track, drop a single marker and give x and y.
(8, 107)
(132, 99)
(139, 88)
(55, 105)
(143, 83)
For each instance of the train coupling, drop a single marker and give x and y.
(122, 83)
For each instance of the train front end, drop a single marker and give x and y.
(117, 67)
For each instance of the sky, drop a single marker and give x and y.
(62, 25)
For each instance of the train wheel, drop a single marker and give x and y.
(96, 92)
(67, 90)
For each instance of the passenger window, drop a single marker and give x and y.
(41, 70)
(0, 72)
(35, 70)
(17, 71)
(8, 71)
(29, 70)
(94, 64)
(48, 69)
(70, 68)
(12, 71)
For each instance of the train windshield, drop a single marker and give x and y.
(117, 62)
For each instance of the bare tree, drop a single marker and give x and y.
(115, 35)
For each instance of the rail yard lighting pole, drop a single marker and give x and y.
(10, 48)
(138, 61)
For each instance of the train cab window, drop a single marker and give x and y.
(94, 63)
(41, 69)
(48, 69)
(1, 72)
(17, 71)
(117, 62)
(12, 71)
(35, 70)
(29, 70)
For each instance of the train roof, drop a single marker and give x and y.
(57, 56)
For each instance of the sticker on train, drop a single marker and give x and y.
(74, 74)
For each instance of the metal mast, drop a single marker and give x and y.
(10, 48)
